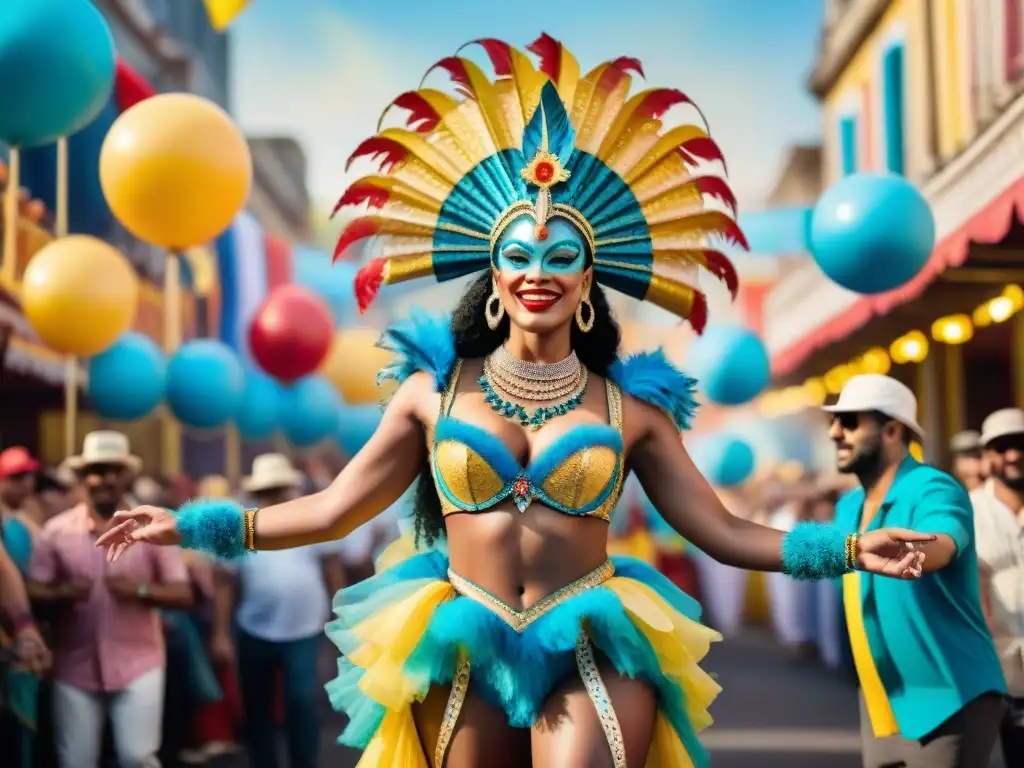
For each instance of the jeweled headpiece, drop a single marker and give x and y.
(544, 142)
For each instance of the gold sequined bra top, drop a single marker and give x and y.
(579, 474)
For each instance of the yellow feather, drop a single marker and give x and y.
(387, 224)
(665, 145)
(629, 151)
(422, 150)
(623, 125)
(511, 109)
(409, 267)
(669, 258)
(601, 115)
(675, 203)
(664, 175)
(396, 210)
(399, 190)
(528, 84)
(689, 230)
(401, 246)
(490, 107)
(584, 93)
(568, 76)
(418, 176)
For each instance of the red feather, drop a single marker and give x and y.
(419, 110)
(717, 188)
(719, 265)
(704, 148)
(658, 102)
(625, 64)
(367, 283)
(698, 312)
(498, 51)
(456, 69)
(733, 234)
(549, 51)
(361, 192)
(376, 146)
(355, 230)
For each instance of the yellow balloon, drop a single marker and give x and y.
(352, 365)
(79, 294)
(175, 170)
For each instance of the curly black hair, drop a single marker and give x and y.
(597, 350)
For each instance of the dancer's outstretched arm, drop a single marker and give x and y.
(375, 478)
(683, 497)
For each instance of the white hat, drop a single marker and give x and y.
(965, 442)
(105, 447)
(271, 470)
(875, 392)
(1007, 421)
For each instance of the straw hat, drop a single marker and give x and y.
(105, 447)
(271, 470)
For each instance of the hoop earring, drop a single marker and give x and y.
(586, 325)
(493, 315)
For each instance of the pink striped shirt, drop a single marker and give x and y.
(102, 643)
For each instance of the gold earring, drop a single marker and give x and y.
(585, 325)
(494, 315)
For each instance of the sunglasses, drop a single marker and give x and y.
(848, 422)
(101, 470)
(1006, 444)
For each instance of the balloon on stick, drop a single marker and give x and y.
(291, 333)
(259, 415)
(128, 380)
(175, 171)
(352, 365)
(205, 384)
(730, 363)
(872, 233)
(79, 294)
(310, 411)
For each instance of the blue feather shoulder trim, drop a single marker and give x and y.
(649, 376)
(421, 342)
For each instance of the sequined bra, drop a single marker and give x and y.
(580, 473)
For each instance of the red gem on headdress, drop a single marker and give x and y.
(541, 231)
(544, 171)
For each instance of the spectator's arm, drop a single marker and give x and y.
(13, 595)
(44, 585)
(225, 597)
(333, 571)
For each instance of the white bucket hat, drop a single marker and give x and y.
(1001, 423)
(875, 392)
(271, 470)
(105, 447)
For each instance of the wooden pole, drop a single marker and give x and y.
(71, 363)
(11, 200)
(171, 431)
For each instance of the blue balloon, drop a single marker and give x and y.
(310, 411)
(871, 233)
(56, 69)
(128, 380)
(731, 364)
(205, 384)
(260, 413)
(358, 423)
(725, 460)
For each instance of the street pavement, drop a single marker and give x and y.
(773, 711)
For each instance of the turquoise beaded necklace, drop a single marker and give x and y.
(540, 415)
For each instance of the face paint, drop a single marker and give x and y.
(519, 249)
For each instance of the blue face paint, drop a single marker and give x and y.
(519, 249)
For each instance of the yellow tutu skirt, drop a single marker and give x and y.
(416, 624)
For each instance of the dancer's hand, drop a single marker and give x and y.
(891, 552)
(152, 525)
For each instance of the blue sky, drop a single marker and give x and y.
(322, 70)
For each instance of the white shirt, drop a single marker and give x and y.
(283, 595)
(999, 537)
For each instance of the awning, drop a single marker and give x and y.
(989, 226)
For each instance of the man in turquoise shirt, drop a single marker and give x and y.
(942, 690)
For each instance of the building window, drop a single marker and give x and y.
(848, 144)
(893, 106)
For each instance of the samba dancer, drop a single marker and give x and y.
(504, 635)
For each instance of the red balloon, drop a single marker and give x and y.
(291, 334)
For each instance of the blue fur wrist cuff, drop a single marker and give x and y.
(213, 526)
(814, 551)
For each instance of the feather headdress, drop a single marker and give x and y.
(546, 142)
